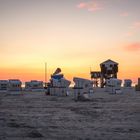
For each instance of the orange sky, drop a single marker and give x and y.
(73, 35)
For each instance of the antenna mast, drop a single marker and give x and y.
(45, 74)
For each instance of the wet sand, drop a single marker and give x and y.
(33, 115)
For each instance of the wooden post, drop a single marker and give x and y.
(45, 74)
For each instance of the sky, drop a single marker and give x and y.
(75, 35)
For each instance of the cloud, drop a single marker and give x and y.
(133, 47)
(136, 24)
(135, 28)
(124, 14)
(128, 34)
(91, 6)
(82, 5)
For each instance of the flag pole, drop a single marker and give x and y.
(45, 74)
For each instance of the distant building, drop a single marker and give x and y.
(109, 69)
(137, 87)
(33, 84)
(3, 84)
(95, 76)
(14, 85)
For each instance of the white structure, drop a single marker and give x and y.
(34, 85)
(127, 83)
(59, 87)
(14, 85)
(61, 83)
(83, 87)
(3, 84)
(113, 85)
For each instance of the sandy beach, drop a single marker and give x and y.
(33, 115)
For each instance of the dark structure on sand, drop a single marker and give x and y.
(109, 69)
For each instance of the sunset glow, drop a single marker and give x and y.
(75, 35)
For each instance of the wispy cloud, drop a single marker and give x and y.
(91, 6)
(133, 47)
(128, 34)
(134, 29)
(136, 24)
(124, 14)
(82, 5)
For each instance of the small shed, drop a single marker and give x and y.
(14, 85)
(95, 76)
(3, 84)
(33, 84)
